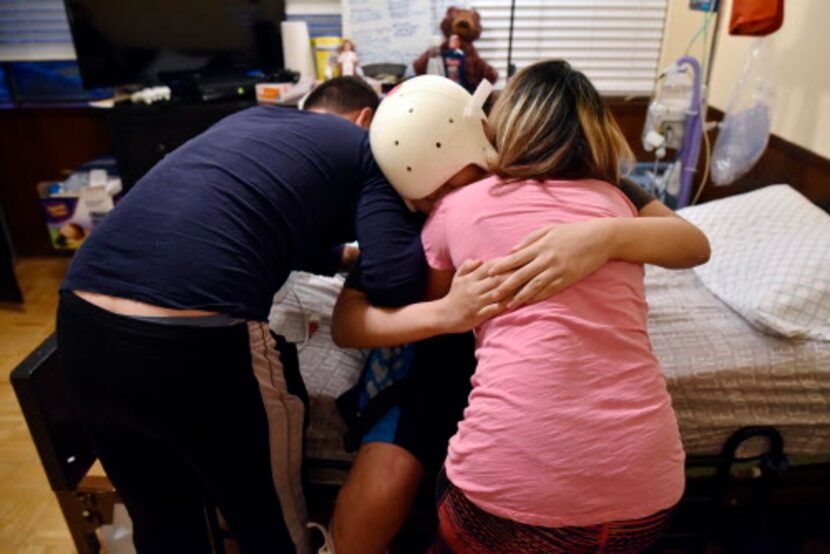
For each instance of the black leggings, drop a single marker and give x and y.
(177, 420)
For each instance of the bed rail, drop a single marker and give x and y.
(738, 500)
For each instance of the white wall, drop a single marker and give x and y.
(801, 52)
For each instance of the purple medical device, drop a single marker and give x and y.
(690, 151)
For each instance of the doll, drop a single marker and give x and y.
(348, 63)
(454, 60)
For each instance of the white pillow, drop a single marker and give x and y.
(770, 259)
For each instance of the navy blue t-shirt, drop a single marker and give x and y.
(221, 221)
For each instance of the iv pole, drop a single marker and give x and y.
(511, 67)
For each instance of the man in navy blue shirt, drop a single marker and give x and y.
(217, 225)
(163, 313)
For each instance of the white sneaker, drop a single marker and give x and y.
(328, 544)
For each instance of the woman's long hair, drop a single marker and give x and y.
(551, 123)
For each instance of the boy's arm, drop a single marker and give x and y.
(462, 302)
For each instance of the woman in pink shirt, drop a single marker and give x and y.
(569, 424)
(569, 442)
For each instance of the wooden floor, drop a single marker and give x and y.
(30, 520)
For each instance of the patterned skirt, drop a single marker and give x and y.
(464, 528)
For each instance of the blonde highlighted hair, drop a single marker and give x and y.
(551, 123)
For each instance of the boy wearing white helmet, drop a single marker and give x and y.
(428, 138)
(428, 131)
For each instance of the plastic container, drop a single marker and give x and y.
(74, 207)
(435, 63)
(325, 56)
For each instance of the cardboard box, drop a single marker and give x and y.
(71, 217)
(272, 93)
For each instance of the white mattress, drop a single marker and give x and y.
(328, 371)
(724, 374)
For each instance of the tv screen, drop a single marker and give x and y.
(147, 41)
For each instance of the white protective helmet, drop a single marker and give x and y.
(428, 129)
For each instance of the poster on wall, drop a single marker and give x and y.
(393, 31)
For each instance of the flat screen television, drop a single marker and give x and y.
(121, 42)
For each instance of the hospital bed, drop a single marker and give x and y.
(753, 407)
(723, 373)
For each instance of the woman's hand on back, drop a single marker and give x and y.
(557, 256)
(551, 259)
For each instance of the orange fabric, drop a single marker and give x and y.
(756, 17)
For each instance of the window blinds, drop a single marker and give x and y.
(616, 43)
(33, 30)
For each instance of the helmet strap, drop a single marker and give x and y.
(476, 103)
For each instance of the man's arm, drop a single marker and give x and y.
(672, 244)
(659, 237)
(391, 270)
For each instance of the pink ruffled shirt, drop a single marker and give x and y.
(569, 421)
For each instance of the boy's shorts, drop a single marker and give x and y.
(413, 396)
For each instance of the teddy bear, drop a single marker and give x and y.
(462, 27)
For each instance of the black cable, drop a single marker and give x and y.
(511, 67)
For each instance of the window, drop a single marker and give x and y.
(34, 30)
(36, 46)
(616, 43)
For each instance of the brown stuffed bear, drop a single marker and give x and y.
(467, 25)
